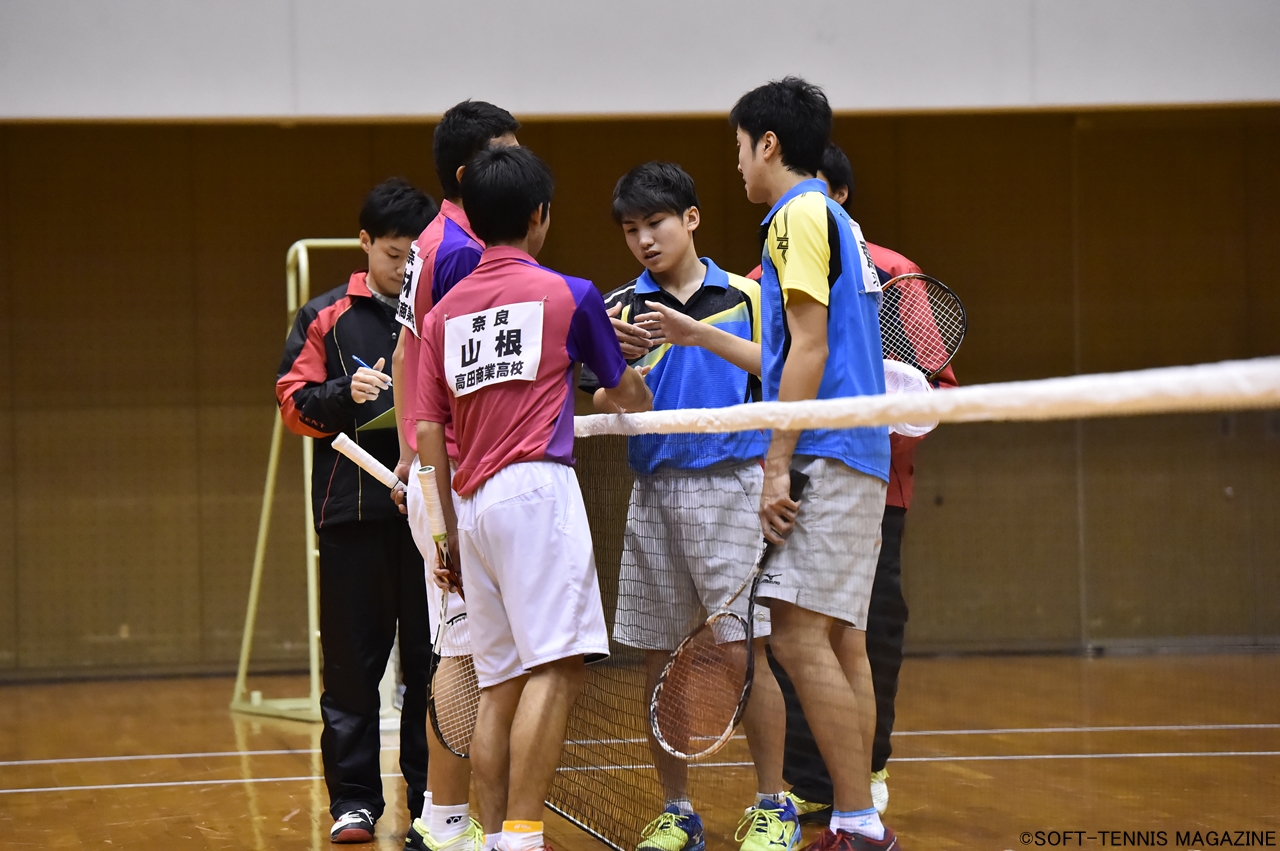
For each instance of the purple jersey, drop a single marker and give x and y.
(498, 356)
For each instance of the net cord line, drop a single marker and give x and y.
(1229, 385)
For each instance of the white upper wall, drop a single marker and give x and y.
(112, 59)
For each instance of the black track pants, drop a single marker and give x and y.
(802, 766)
(371, 578)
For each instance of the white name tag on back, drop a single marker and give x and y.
(495, 345)
(870, 278)
(409, 291)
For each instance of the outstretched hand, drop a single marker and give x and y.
(665, 325)
(634, 341)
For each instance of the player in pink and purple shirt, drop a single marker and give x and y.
(444, 253)
(499, 360)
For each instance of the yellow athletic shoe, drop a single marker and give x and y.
(673, 831)
(809, 812)
(420, 838)
(880, 790)
(769, 826)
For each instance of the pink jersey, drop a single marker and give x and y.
(498, 360)
(442, 255)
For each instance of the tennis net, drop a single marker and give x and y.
(1074, 428)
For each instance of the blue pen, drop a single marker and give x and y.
(366, 366)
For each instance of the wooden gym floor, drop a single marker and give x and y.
(989, 749)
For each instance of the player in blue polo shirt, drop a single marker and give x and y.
(821, 340)
(692, 531)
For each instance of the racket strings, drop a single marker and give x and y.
(455, 699)
(922, 324)
(701, 694)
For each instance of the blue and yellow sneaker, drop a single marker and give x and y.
(809, 812)
(673, 831)
(769, 826)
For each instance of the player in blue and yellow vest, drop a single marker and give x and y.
(820, 340)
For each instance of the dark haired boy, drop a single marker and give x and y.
(821, 339)
(371, 573)
(499, 354)
(696, 328)
(445, 252)
(887, 616)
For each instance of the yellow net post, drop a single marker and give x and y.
(297, 293)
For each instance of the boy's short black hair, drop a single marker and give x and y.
(501, 189)
(655, 187)
(464, 131)
(798, 114)
(838, 172)
(396, 208)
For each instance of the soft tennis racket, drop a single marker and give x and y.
(704, 687)
(922, 322)
(455, 691)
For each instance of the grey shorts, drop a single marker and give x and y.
(691, 539)
(829, 562)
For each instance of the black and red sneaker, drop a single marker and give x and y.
(353, 826)
(842, 840)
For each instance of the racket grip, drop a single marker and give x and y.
(431, 498)
(799, 481)
(364, 460)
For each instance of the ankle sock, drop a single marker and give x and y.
(491, 841)
(775, 797)
(448, 822)
(865, 822)
(425, 818)
(522, 836)
(683, 805)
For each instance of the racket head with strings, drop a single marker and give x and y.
(922, 322)
(703, 689)
(455, 691)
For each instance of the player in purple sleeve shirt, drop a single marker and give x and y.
(499, 357)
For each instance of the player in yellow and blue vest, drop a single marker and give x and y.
(820, 340)
(692, 529)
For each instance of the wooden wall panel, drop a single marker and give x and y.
(107, 521)
(985, 205)
(8, 542)
(1259, 472)
(1162, 239)
(990, 555)
(1167, 537)
(108, 537)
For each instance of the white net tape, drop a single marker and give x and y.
(1230, 385)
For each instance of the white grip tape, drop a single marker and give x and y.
(431, 498)
(364, 460)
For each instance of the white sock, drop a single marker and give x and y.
(448, 822)
(775, 797)
(683, 805)
(491, 841)
(521, 836)
(425, 818)
(865, 822)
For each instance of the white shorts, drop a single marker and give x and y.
(829, 562)
(692, 537)
(456, 643)
(529, 572)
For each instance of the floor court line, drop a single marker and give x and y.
(640, 767)
(1164, 728)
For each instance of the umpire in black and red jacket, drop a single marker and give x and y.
(371, 573)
